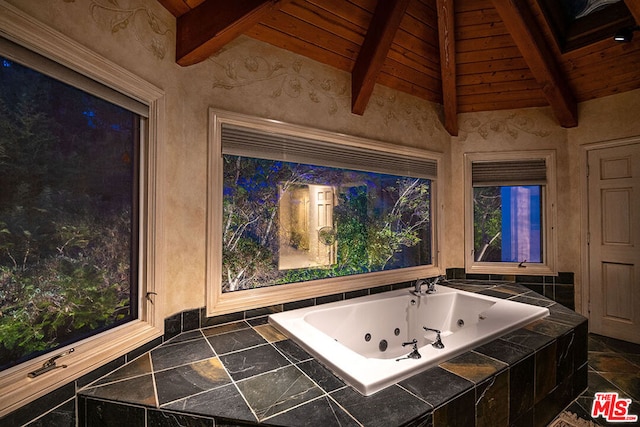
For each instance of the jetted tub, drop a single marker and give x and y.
(361, 339)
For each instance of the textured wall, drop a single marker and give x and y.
(261, 80)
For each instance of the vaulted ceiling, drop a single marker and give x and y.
(467, 55)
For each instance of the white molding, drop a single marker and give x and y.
(218, 302)
(15, 387)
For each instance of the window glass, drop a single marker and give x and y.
(286, 222)
(507, 224)
(67, 214)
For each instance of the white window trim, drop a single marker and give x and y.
(15, 387)
(229, 302)
(549, 239)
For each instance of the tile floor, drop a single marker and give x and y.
(614, 366)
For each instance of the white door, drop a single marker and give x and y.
(614, 241)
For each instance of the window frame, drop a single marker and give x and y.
(97, 350)
(218, 303)
(548, 266)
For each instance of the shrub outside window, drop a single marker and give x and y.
(510, 212)
(301, 208)
(79, 210)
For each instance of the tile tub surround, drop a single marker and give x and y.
(248, 373)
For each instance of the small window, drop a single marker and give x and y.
(304, 213)
(511, 200)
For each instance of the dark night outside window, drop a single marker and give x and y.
(68, 213)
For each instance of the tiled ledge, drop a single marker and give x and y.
(246, 373)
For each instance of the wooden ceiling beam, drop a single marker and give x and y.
(206, 28)
(634, 8)
(519, 20)
(447, 40)
(382, 29)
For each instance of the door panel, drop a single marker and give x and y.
(614, 248)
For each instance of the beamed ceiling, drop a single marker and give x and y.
(467, 55)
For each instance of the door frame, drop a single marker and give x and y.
(585, 288)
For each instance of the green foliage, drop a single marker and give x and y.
(65, 213)
(487, 223)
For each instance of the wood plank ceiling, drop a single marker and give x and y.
(467, 55)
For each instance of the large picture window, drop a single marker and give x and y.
(511, 200)
(300, 209)
(79, 284)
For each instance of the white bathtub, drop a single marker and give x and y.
(349, 336)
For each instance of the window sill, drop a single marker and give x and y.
(18, 389)
(511, 269)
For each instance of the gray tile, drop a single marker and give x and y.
(139, 390)
(170, 356)
(254, 361)
(224, 402)
(322, 412)
(391, 406)
(277, 391)
(436, 385)
(236, 340)
(186, 380)
(321, 375)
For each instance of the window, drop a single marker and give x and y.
(78, 200)
(510, 213)
(298, 209)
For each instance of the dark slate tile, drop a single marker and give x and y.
(186, 380)
(611, 362)
(219, 320)
(322, 412)
(492, 401)
(559, 313)
(62, 416)
(496, 293)
(223, 329)
(140, 366)
(321, 375)
(172, 355)
(99, 413)
(270, 333)
(158, 418)
(258, 321)
(234, 341)
(191, 319)
(172, 326)
(391, 406)
(504, 351)
(436, 385)
(185, 336)
(473, 366)
(247, 363)
(274, 392)
(135, 353)
(356, 294)
(100, 372)
(329, 298)
(263, 311)
(531, 300)
(549, 328)
(546, 374)
(528, 339)
(629, 383)
(224, 402)
(457, 412)
(40, 406)
(292, 351)
(299, 304)
(521, 388)
(138, 390)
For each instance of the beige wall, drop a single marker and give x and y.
(257, 79)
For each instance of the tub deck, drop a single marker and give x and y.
(247, 373)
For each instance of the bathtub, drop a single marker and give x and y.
(361, 340)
